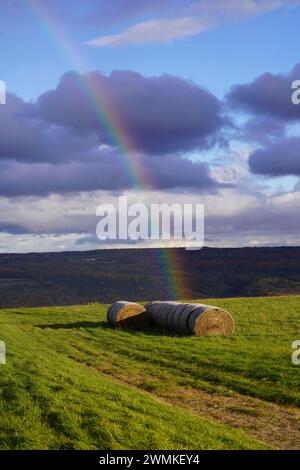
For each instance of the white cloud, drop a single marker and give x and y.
(233, 217)
(196, 18)
(28, 243)
(153, 31)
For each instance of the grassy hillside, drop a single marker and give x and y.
(73, 382)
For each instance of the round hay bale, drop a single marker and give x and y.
(172, 317)
(188, 318)
(111, 313)
(181, 325)
(148, 306)
(164, 311)
(175, 317)
(155, 310)
(128, 315)
(161, 312)
(155, 313)
(168, 312)
(206, 320)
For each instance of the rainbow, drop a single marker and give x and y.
(109, 119)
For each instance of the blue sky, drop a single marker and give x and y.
(32, 60)
(233, 149)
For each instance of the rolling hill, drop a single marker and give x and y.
(69, 278)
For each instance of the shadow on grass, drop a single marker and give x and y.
(151, 331)
(17, 312)
(75, 325)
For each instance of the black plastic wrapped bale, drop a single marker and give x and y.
(187, 318)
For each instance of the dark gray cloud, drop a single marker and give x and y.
(278, 159)
(268, 100)
(69, 140)
(159, 114)
(262, 130)
(268, 94)
(26, 137)
(109, 173)
(268, 217)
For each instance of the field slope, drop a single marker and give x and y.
(72, 382)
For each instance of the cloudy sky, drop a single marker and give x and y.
(169, 100)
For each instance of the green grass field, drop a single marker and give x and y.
(72, 382)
